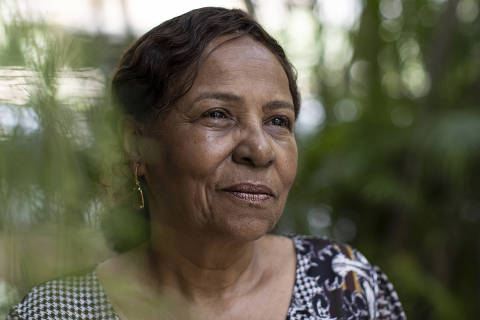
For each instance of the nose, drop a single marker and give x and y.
(254, 148)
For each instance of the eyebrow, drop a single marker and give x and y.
(272, 105)
(218, 96)
(278, 104)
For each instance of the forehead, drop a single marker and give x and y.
(229, 57)
(229, 44)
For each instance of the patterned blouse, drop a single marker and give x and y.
(333, 282)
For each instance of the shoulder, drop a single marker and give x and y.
(334, 279)
(73, 297)
(324, 248)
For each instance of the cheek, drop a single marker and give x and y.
(197, 155)
(288, 163)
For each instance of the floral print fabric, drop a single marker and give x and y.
(336, 282)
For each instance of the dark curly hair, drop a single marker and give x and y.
(158, 69)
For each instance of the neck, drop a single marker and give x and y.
(203, 266)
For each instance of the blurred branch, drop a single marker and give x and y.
(128, 26)
(250, 7)
(440, 48)
(436, 62)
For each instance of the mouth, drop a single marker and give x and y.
(250, 192)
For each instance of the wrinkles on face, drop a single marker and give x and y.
(229, 154)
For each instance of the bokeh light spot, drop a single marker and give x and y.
(391, 9)
(401, 117)
(346, 110)
(311, 117)
(467, 11)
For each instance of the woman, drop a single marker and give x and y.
(210, 101)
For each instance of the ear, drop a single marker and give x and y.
(133, 135)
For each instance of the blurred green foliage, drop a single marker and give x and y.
(393, 168)
(401, 181)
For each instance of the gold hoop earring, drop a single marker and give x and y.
(138, 188)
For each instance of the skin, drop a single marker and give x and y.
(209, 255)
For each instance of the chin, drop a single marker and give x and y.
(246, 228)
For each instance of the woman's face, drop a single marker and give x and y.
(225, 157)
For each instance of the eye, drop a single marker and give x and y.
(280, 121)
(215, 114)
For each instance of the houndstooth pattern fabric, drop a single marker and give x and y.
(332, 282)
(76, 297)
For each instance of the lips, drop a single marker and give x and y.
(250, 192)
